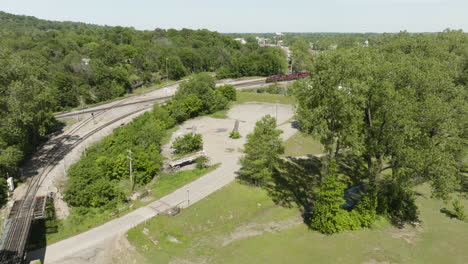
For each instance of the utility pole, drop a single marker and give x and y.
(188, 197)
(129, 157)
(167, 72)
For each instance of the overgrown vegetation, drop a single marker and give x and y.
(228, 91)
(458, 210)
(187, 143)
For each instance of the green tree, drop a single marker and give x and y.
(411, 119)
(262, 152)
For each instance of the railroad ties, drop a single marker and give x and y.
(17, 227)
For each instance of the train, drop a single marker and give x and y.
(286, 77)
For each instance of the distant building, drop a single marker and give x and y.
(241, 40)
(366, 43)
(279, 34)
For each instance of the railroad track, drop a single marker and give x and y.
(90, 110)
(17, 232)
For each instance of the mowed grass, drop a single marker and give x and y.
(244, 97)
(301, 145)
(165, 184)
(237, 225)
(169, 182)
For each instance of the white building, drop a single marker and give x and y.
(241, 40)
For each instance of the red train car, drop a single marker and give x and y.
(286, 77)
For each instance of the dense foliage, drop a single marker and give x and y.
(94, 179)
(228, 91)
(399, 109)
(187, 143)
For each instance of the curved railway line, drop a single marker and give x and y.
(17, 227)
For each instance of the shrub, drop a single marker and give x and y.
(202, 162)
(234, 135)
(397, 202)
(327, 216)
(228, 91)
(458, 210)
(365, 210)
(188, 143)
(272, 89)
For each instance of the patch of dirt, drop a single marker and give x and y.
(255, 229)
(122, 252)
(408, 233)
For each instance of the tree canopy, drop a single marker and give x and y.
(399, 107)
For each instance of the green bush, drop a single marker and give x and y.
(202, 162)
(365, 210)
(228, 91)
(235, 135)
(188, 143)
(327, 216)
(458, 210)
(397, 202)
(272, 89)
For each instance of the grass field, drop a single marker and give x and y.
(301, 145)
(240, 224)
(244, 97)
(164, 185)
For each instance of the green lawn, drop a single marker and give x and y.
(169, 182)
(165, 184)
(301, 145)
(240, 224)
(220, 114)
(244, 97)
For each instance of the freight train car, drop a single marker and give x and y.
(286, 77)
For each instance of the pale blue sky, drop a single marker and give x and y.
(256, 15)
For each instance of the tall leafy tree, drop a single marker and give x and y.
(262, 151)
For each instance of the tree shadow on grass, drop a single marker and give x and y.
(294, 184)
(448, 213)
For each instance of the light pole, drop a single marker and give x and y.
(131, 169)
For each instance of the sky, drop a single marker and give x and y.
(254, 16)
